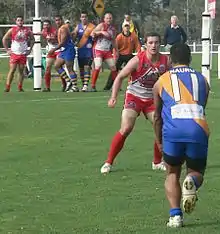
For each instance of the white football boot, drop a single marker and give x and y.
(159, 166)
(106, 168)
(175, 221)
(189, 196)
(85, 88)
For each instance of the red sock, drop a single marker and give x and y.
(20, 85)
(7, 86)
(47, 78)
(95, 74)
(116, 146)
(114, 74)
(157, 154)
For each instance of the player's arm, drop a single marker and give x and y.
(207, 92)
(116, 46)
(131, 66)
(98, 30)
(158, 122)
(74, 33)
(31, 42)
(63, 37)
(6, 39)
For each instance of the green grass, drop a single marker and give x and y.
(52, 147)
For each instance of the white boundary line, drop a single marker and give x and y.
(45, 100)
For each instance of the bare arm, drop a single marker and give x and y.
(32, 40)
(74, 33)
(6, 38)
(97, 30)
(131, 66)
(158, 122)
(207, 92)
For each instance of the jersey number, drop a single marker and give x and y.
(176, 87)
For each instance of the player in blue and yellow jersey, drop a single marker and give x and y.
(82, 33)
(66, 56)
(180, 97)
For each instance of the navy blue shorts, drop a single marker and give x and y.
(195, 154)
(85, 61)
(67, 55)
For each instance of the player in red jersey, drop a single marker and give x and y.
(104, 36)
(20, 37)
(145, 69)
(50, 34)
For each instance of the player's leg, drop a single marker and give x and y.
(73, 77)
(128, 119)
(95, 73)
(110, 81)
(87, 74)
(10, 76)
(112, 66)
(174, 158)
(58, 65)
(196, 164)
(47, 75)
(157, 163)
(96, 67)
(21, 67)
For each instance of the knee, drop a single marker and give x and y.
(113, 68)
(126, 130)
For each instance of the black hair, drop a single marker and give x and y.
(84, 13)
(59, 16)
(180, 53)
(152, 34)
(19, 16)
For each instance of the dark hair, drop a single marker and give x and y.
(152, 34)
(47, 21)
(59, 16)
(180, 53)
(84, 13)
(19, 16)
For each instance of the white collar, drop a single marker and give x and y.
(175, 27)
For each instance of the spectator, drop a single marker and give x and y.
(174, 33)
(133, 25)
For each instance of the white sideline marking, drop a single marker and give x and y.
(70, 99)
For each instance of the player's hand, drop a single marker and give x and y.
(50, 52)
(9, 52)
(105, 34)
(112, 102)
(28, 52)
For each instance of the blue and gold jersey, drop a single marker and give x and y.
(184, 92)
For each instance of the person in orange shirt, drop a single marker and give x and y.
(127, 43)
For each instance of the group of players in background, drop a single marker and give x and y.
(166, 90)
(95, 44)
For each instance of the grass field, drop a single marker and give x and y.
(52, 147)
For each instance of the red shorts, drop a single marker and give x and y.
(139, 105)
(54, 55)
(18, 59)
(102, 54)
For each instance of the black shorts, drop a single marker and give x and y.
(195, 164)
(86, 61)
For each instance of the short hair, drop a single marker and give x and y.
(59, 16)
(180, 53)
(83, 13)
(152, 34)
(19, 16)
(47, 21)
(174, 17)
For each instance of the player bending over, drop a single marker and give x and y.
(145, 69)
(180, 97)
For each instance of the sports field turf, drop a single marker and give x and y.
(52, 146)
